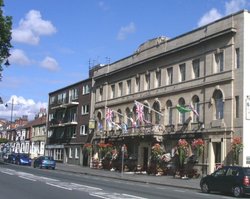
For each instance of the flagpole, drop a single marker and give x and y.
(149, 108)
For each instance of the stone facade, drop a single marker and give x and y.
(205, 68)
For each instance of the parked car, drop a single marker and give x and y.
(228, 179)
(23, 159)
(11, 158)
(45, 162)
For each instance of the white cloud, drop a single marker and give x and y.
(18, 57)
(124, 31)
(230, 7)
(31, 28)
(21, 106)
(50, 64)
(234, 6)
(210, 16)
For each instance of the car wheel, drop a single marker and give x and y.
(205, 188)
(237, 191)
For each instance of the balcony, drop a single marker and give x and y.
(64, 103)
(62, 123)
(155, 130)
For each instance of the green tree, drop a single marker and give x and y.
(5, 37)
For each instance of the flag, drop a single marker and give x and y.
(183, 109)
(100, 127)
(194, 111)
(124, 128)
(133, 122)
(109, 114)
(139, 111)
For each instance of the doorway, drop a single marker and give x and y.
(145, 158)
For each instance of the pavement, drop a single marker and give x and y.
(189, 183)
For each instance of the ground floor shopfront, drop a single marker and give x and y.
(216, 151)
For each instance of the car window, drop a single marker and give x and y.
(232, 172)
(220, 172)
(247, 171)
(48, 158)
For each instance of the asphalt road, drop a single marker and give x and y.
(28, 183)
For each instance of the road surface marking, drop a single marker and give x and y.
(27, 178)
(55, 185)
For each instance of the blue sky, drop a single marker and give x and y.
(55, 42)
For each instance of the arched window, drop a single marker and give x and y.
(157, 116)
(182, 115)
(219, 104)
(169, 112)
(135, 116)
(196, 107)
(129, 117)
(147, 114)
(120, 117)
(99, 122)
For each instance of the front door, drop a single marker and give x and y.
(145, 158)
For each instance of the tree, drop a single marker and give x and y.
(5, 37)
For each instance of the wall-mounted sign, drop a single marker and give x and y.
(91, 124)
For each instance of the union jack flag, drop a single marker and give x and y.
(139, 111)
(109, 114)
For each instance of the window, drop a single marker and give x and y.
(182, 69)
(73, 94)
(237, 105)
(196, 108)
(61, 97)
(76, 153)
(169, 112)
(85, 109)
(85, 89)
(196, 68)
(52, 100)
(169, 76)
(147, 114)
(137, 84)
(70, 153)
(72, 132)
(128, 86)
(83, 130)
(157, 116)
(128, 116)
(120, 89)
(112, 93)
(237, 57)
(219, 104)
(51, 116)
(147, 81)
(219, 62)
(157, 79)
(100, 94)
(181, 115)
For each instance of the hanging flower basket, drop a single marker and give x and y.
(237, 147)
(198, 146)
(88, 147)
(182, 150)
(156, 152)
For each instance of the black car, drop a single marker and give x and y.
(228, 179)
